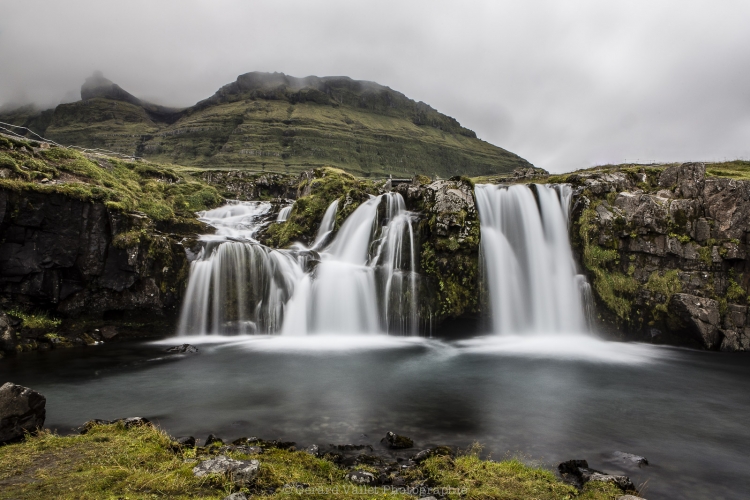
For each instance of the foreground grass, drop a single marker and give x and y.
(111, 462)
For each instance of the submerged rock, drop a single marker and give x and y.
(22, 410)
(630, 458)
(239, 471)
(396, 442)
(183, 349)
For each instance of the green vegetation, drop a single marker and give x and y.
(737, 169)
(664, 285)
(326, 185)
(613, 287)
(164, 193)
(110, 462)
(39, 320)
(735, 292)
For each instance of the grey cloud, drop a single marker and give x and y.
(564, 84)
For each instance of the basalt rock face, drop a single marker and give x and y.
(666, 252)
(71, 258)
(449, 252)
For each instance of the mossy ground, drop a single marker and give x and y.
(165, 193)
(326, 185)
(111, 462)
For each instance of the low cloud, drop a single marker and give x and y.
(564, 84)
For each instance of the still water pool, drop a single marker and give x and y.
(545, 399)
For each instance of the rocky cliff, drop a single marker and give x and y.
(665, 248)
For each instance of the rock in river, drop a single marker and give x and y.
(183, 349)
(21, 411)
(397, 442)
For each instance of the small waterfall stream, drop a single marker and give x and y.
(361, 280)
(527, 261)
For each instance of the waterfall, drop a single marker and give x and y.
(366, 279)
(326, 225)
(284, 214)
(361, 280)
(236, 284)
(526, 259)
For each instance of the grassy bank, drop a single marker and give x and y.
(142, 463)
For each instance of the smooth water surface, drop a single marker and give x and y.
(545, 399)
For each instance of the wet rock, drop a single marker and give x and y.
(183, 349)
(577, 473)
(630, 458)
(629, 497)
(622, 482)
(128, 423)
(431, 452)
(186, 441)
(213, 440)
(22, 410)
(313, 450)
(239, 471)
(396, 442)
(108, 332)
(700, 316)
(361, 477)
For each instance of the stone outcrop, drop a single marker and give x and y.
(241, 472)
(75, 258)
(666, 251)
(449, 239)
(22, 410)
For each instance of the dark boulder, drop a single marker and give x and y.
(186, 441)
(396, 442)
(213, 440)
(22, 410)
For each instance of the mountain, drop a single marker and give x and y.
(276, 122)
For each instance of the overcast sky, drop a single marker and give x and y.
(565, 84)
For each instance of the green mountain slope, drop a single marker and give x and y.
(274, 122)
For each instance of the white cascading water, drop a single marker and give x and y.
(527, 261)
(237, 285)
(364, 281)
(284, 214)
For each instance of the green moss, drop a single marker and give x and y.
(38, 320)
(328, 184)
(611, 286)
(164, 193)
(704, 254)
(664, 285)
(735, 292)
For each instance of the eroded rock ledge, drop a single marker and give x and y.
(666, 252)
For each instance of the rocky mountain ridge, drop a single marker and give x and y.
(275, 123)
